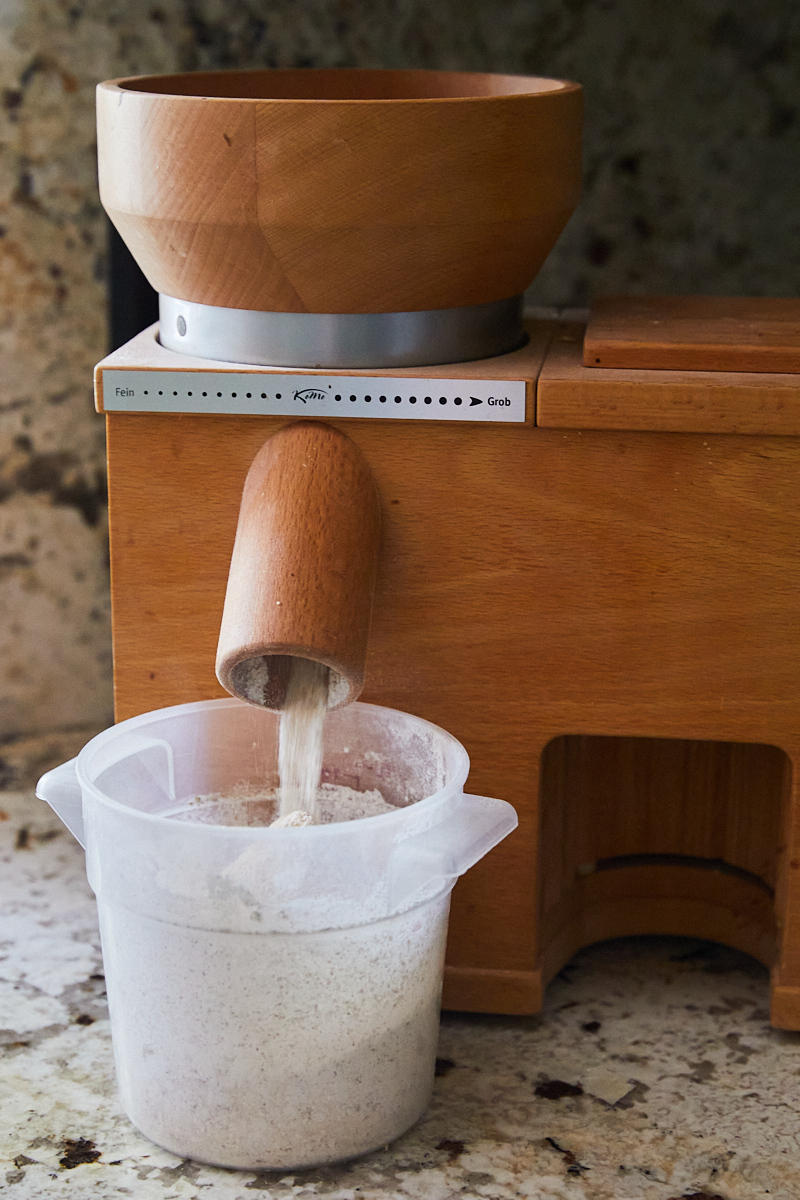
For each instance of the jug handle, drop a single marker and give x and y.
(61, 790)
(427, 862)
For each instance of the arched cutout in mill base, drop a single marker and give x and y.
(660, 836)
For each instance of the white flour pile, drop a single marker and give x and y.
(253, 806)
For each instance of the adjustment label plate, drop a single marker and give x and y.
(294, 395)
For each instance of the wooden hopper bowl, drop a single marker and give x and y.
(339, 191)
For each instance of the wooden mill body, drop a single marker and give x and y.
(602, 604)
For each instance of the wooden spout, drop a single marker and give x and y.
(302, 574)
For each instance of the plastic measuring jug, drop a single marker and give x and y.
(273, 993)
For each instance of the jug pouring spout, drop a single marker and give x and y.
(62, 791)
(431, 860)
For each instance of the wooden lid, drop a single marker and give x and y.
(570, 395)
(694, 333)
(339, 191)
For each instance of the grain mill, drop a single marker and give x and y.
(588, 568)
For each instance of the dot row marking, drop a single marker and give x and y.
(234, 395)
(399, 399)
(367, 399)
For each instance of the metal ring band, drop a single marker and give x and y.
(342, 340)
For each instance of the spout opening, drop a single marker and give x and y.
(262, 679)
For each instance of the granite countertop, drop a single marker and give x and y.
(652, 1074)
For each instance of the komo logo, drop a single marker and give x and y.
(310, 394)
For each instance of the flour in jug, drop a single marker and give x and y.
(252, 805)
(300, 799)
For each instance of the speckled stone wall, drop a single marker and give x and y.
(692, 153)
